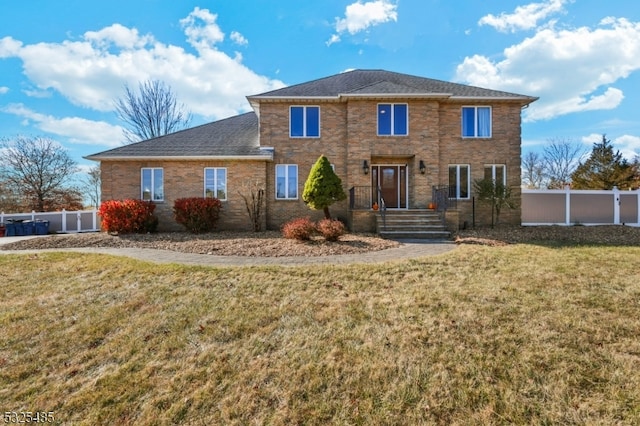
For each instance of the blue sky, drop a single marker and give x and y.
(62, 63)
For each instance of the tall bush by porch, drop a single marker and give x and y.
(323, 187)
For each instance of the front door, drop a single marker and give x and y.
(390, 183)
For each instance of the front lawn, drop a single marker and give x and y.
(515, 334)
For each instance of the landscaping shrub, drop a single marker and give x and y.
(197, 214)
(128, 216)
(331, 229)
(298, 229)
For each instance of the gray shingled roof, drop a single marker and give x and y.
(234, 136)
(239, 136)
(380, 82)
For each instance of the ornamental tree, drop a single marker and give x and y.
(496, 194)
(323, 187)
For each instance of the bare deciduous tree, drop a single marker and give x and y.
(92, 185)
(38, 168)
(561, 157)
(533, 170)
(151, 112)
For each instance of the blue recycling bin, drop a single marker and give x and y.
(41, 227)
(10, 229)
(28, 227)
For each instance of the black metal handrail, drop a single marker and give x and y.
(442, 197)
(360, 198)
(383, 209)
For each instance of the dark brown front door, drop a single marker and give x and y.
(392, 184)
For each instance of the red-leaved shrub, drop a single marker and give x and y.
(331, 229)
(197, 214)
(298, 229)
(128, 216)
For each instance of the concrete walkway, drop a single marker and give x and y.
(409, 249)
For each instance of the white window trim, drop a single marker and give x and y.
(475, 121)
(458, 166)
(286, 182)
(393, 119)
(215, 182)
(152, 183)
(304, 121)
(493, 171)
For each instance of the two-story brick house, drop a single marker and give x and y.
(389, 136)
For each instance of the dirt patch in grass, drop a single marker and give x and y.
(551, 235)
(263, 244)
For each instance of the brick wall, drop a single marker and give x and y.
(434, 137)
(274, 132)
(502, 148)
(121, 179)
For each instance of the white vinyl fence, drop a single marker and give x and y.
(59, 222)
(580, 207)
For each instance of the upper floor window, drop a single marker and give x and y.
(215, 183)
(286, 181)
(476, 122)
(496, 172)
(393, 119)
(152, 184)
(304, 122)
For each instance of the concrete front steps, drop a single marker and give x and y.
(413, 223)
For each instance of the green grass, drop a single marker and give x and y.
(520, 334)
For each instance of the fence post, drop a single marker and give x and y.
(33, 215)
(78, 221)
(95, 220)
(616, 205)
(64, 221)
(567, 204)
(638, 201)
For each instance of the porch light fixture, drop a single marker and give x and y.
(365, 167)
(423, 168)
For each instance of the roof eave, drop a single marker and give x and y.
(521, 99)
(266, 157)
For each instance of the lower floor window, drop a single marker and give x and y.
(215, 183)
(152, 184)
(286, 181)
(496, 172)
(459, 181)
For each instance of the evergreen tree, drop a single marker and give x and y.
(604, 169)
(323, 187)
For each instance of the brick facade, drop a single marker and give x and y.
(121, 180)
(348, 138)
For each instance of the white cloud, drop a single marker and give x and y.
(92, 71)
(77, 130)
(524, 17)
(628, 145)
(9, 47)
(570, 70)
(238, 38)
(3, 90)
(201, 29)
(360, 16)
